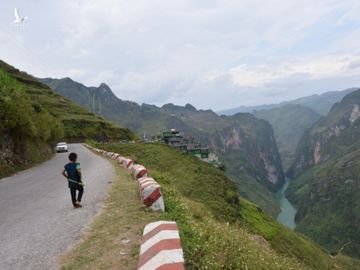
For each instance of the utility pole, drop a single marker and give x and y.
(99, 104)
(94, 111)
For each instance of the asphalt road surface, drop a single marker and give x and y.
(37, 219)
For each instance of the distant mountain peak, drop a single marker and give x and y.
(190, 107)
(68, 79)
(104, 86)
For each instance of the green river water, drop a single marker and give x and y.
(287, 215)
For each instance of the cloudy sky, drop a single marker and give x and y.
(214, 54)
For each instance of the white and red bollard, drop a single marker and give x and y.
(150, 194)
(161, 247)
(127, 163)
(138, 171)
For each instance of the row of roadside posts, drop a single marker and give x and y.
(161, 246)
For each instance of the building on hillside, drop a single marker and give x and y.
(174, 138)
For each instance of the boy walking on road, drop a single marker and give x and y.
(72, 173)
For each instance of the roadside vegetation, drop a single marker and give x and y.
(25, 126)
(219, 230)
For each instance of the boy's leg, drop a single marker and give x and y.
(73, 195)
(81, 191)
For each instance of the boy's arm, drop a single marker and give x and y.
(79, 173)
(78, 169)
(64, 174)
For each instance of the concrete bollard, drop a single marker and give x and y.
(120, 159)
(161, 247)
(138, 171)
(127, 163)
(150, 194)
(115, 156)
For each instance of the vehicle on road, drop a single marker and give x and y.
(61, 147)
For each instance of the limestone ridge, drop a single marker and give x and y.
(326, 185)
(253, 142)
(245, 144)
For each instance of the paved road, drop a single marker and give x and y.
(37, 220)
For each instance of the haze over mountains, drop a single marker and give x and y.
(320, 103)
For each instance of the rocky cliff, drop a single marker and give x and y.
(289, 122)
(331, 136)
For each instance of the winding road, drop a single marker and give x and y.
(37, 219)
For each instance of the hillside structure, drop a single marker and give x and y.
(174, 138)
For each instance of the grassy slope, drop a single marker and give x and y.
(216, 228)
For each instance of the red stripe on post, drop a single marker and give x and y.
(156, 230)
(166, 244)
(173, 266)
(129, 164)
(141, 173)
(152, 198)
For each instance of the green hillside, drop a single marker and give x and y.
(78, 122)
(219, 230)
(289, 123)
(33, 118)
(26, 129)
(327, 197)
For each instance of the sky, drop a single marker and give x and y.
(214, 54)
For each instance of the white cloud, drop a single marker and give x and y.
(233, 52)
(261, 75)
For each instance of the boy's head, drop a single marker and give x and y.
(72, 157)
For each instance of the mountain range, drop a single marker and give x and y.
(245, 144)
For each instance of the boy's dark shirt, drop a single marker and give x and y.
(71, 170)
